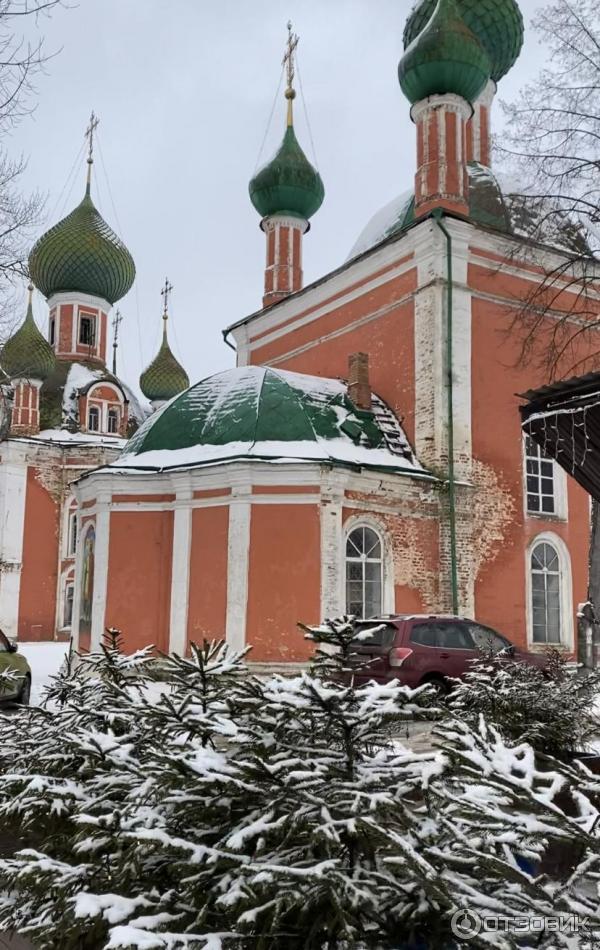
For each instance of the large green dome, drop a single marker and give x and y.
(498, 25)
(165, 377)
(81, 253)
(445, 57)
(27, 354)
(288, 184)
(264, 414)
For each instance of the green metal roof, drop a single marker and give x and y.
(288, 184)
(498, 25)
(263, 413)
(27, 353)
(445, 57)
(81, 253)
(165, 377)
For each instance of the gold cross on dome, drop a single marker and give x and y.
(89, 134)
(288, 59)
(288, 62)
(165, 296)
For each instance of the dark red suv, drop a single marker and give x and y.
(419, 649)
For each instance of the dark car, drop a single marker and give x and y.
(17, 687)
(427, 649)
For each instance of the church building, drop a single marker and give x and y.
(364, 456)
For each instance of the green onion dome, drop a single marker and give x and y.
(288, 184)
(81, 253)
(446, 57)
(27, 354)
(497, 24)
(165, 377)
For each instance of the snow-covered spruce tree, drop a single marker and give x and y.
(506, 814)
(84, 784)
(335, 802)
(552, 709)
(214, 809)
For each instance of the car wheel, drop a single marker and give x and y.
(438, 685)
(25, 694)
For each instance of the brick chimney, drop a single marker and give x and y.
(359, 388)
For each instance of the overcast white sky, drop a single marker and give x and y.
(184, 90)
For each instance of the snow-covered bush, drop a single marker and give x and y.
(553, 709)
(188, 804)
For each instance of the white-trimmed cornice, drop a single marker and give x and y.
(72, 296)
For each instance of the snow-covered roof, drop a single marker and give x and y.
(261, 413)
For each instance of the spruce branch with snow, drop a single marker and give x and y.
(553, 709)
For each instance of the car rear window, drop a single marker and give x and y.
(375, 634)
(439, 633)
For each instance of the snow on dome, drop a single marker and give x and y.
(389, 219)
(261, 413)
(495, 201)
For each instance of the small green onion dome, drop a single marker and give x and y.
(165, 377)
(497, 24)
(288, 184)
(81, 253)
(446, 57)
(27, 354)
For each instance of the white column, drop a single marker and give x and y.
(77, 586)
(332, 555)
(13, 487)
(238, 560)
(100, 572)
(180, 573)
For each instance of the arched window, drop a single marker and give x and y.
(113, 420)
(93, 419)
(68, 604)
(72, 535)
(546, 593)
(364, 572)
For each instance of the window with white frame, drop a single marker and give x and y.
(112, 421)
(68, 604)
(546, 593)
(364, 572)
(541, 481)
(52, 333)
(87, 330)
(93, 419)
(72, 536)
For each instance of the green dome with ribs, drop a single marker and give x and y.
(165, 377)
(497, 24)
(81, 253)
(446, 57)
(27, 354)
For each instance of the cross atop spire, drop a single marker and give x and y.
(116, 323)
(165, 292)
(89, 135)
(288, 62)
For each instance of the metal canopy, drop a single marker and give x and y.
(564, 420)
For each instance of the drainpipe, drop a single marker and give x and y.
(438, 218)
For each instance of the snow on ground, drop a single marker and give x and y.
(45, 660)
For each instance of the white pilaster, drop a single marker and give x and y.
(431, 327)
(77, 585)
(430, 384)
(180, 574)
(13, 486)
(100, 572)
(332, 556)
(238, 560)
